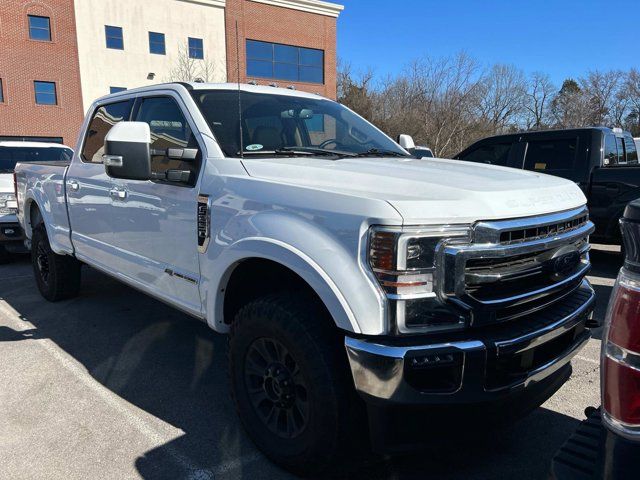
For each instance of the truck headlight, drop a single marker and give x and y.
(8, 204)
(404, 260)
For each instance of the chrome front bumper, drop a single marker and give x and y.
(547, 341)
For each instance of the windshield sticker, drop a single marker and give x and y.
(254, 146)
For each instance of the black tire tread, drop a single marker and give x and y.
(304, 317)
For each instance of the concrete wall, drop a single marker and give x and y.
(302, 23)
(101, 68)
(23, 60)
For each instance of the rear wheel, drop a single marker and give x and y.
(291, 382)
(57, 276)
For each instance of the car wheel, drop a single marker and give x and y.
(57, 276)
(291, 382)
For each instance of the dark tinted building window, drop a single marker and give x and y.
(557, 154)
(1, 92)
(116, 89)
(284, 62)
(39, 28)
(610, 150)
(45, 93)
(114, 37)
(497, 154)
(632, 153)
(169, 129)
(156, 43)
(196, 48)
(103, 119)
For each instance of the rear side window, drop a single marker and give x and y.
(610, 150)
(632, 153)
(103, 119)
(621, 158)
(169, 129)
(557, 154)
(496, 154)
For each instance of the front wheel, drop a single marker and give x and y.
(290, 382)
(57, 276)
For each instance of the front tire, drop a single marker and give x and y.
(291, 382)
(57, 276)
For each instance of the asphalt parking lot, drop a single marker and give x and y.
(113, 384)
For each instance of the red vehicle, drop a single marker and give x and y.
(607, 444)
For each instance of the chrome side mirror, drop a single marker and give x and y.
(406, 142)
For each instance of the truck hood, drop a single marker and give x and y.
(428, 191)
(6, 183)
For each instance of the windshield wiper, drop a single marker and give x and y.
(376, 152)
(292, 152)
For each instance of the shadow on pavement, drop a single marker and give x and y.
(175, 368)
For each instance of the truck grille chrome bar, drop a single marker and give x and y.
(496, 280)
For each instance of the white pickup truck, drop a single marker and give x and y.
(352, 277)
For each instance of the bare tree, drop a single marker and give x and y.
(502, 97)
(187, 69)
(539, 95)
(600, 90)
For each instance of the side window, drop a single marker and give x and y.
(169, 129)
(621, 159)
(496, 154)
(557, 154)
(610, 150)
(632, 153)
(103, 119)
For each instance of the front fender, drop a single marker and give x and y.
(331, 269)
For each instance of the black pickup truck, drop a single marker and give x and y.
(602, 161)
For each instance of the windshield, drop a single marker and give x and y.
(9, 156)
(289, 124)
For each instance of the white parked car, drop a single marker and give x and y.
(11, 237)
(353, 278)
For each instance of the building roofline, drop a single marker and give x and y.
(312, 6)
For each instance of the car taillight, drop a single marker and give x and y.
(621, 356)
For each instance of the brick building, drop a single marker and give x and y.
(40, 93)
(57, 56)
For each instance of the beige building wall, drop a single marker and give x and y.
(101, 67)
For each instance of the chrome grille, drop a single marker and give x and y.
(542, 231)
(498, 280)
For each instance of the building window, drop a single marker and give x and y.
(196, 49)
(1, 92)
(39, 28)
(284, 62)
(156, 43)
(114, 37)
(116, 89)
(45, 93)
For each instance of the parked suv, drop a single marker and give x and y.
(602, 161)
(11, 237)
(354, 279)
(607, 444)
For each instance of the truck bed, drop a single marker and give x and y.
(44, 182)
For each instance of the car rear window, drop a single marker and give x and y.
(9, 156)
(556, 154)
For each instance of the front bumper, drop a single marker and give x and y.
(487, 365)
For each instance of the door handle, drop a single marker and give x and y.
(118, 194)
(73, 185)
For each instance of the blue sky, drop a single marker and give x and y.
(564, 38)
